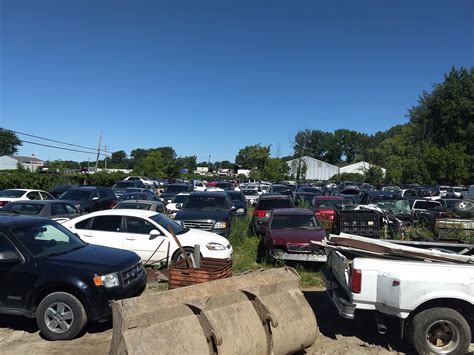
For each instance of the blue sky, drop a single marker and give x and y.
(210, 77)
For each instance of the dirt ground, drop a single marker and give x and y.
(336, 335)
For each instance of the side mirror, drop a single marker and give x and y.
(9, 257)
(233, 209)
(95, 198)
(179, 206)
(154, 233)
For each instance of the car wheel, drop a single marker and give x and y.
(464, 208)
(188, 250)
(60, 316)
(440, 331)
(261, 251)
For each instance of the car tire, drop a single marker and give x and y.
(441, 331)
(178, 255)
(261, 251)
(464, 208)
(60, 316)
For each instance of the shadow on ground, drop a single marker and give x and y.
(363, 326)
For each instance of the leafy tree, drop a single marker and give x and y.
(374, 176)
(9, 142)
(253, 156)
(188, 162)
(276, 169)
(118, 159)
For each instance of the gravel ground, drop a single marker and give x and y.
(336, 335)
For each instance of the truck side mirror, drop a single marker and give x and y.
(9, 257)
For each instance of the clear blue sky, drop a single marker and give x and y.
(210, 77)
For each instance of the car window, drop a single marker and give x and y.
(24, 208)
(426, 205)
(5, 244)
(107, 223)
(274, 204)
(139, 225)
(103, 194)
(71, 209)
(58, 209)
(33, 195)
(83, 224)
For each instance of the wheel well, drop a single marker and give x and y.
(178, 250)
(463, 307)
(60, 288)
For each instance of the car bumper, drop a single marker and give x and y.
(100, 304)
(305, 257)
(345, 307)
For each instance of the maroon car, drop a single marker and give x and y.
(325, 209)
(288, 236)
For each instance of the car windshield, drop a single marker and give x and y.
(250, 192)
(304, 200)
(311, 189)
(124, 184)
(175, 189)
(138, 196)
(12, 193)
(46, 239)
(133, 206)
(24, 208)
(180, 198)
(331, 203)
(307, 222)
(280, 188)
(394, 206)
(165, 221)
(271, 204)
(206, 202)
(77, 195)
(236, 197)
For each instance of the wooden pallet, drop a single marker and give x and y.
(181, 275)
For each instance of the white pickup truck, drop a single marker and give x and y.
(433, 300)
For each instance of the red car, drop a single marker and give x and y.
(288, 236)
(325, 209)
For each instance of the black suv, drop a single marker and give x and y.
(172, 190)
(90, 198)
(48, 273)
(210, 211)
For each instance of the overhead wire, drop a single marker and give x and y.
(56, 147)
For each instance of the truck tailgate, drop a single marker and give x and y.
(340, 267)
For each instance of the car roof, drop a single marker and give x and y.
(274, 197)
(14, 220)
(317, 198)
(124, 211)
(26, 190)
(209, 193)
(143, 202)
(88, 188)
(299, 193)
(39, 202)
(293, 212)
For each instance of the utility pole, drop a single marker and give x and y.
(98, 153)
(105, 159)
(209, 165)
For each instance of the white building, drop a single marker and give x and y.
(10, 162)
(315, 169)
(202, 170)
(245, 172)
(360, 168)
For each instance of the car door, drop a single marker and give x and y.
(16, 278)
(60, 211)
(103, 230)
(151, 248)
(46, 196)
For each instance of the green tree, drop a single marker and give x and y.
(276, 169)
(374, 175)
(118, 159)
(253, 156)
(9, 142)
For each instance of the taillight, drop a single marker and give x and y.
(356, 281)
(326, 214)
(261, 213)
(3, 203)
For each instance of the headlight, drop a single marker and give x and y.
(220, 225)
(240, 210)
(215, 246)
(108, 281)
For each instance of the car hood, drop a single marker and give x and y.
(198, 236)
(285, 236)
(95, 258)
(202, 215)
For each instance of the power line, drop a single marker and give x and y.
(52, 146)
(55, 141)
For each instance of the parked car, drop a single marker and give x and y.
(58, 190)
(325, 209)
(146, 233)
(179, 199)
(209, 211)
(90, 198)
(238, 201)
(172, 190)
(308, 188)
(146, 181)
(281, 189)
(155, 206)
(49, 274)
(198, 185)
(56, 210)
(263, 210)
(305, 199)
(9, 195)
(288, 237)
(139, 195)
(251, 196)
(120, 187)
